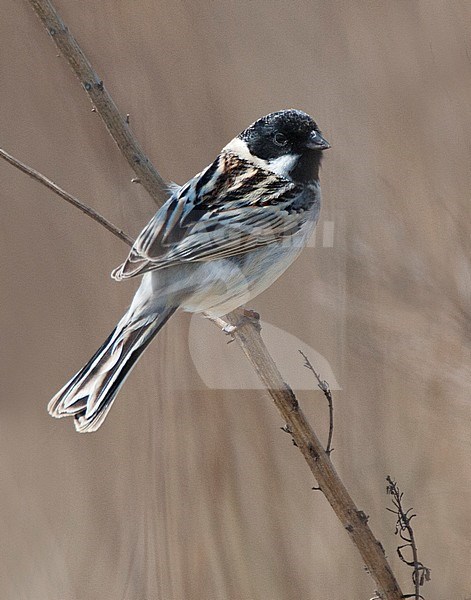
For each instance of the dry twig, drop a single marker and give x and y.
(420, 573)
(247, 335)
(103, 104)
(119, 233)
(325, 388)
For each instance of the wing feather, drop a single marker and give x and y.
(230, 208)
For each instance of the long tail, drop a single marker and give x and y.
(88, 396)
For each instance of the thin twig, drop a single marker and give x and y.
(103, 104)
(325, 388)
(420, 573)
(119, 233)
(246, 334)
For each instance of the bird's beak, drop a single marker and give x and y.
(317, 142)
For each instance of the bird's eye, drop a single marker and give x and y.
(280, 139)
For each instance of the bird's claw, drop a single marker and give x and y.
(252, 316)
(229, 329)
(248, 316)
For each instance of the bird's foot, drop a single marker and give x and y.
(252, 317)
(248, 316)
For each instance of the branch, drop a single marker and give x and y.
(325, 388)
(247, 335)
(420, 573)
(355, 521)
(117, 125)
(119, 233)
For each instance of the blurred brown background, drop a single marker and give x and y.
(190, 492)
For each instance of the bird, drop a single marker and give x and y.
(217, 242)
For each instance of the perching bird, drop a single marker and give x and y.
(218, 241)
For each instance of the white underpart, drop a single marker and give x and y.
(280, 166)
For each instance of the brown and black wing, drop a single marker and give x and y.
(230, 208)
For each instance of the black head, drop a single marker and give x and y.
(287, 133)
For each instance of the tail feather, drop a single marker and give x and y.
(88, 396)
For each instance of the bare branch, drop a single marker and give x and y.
(325, 388)
(354, 520)
(420, 573)
(245, 332)
(117, 125)
(119, 233)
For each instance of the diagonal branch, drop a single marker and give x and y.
(67, 197)
(354, 520)
(117, 125)
(247, 335)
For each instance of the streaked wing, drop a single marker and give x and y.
(230, 208)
